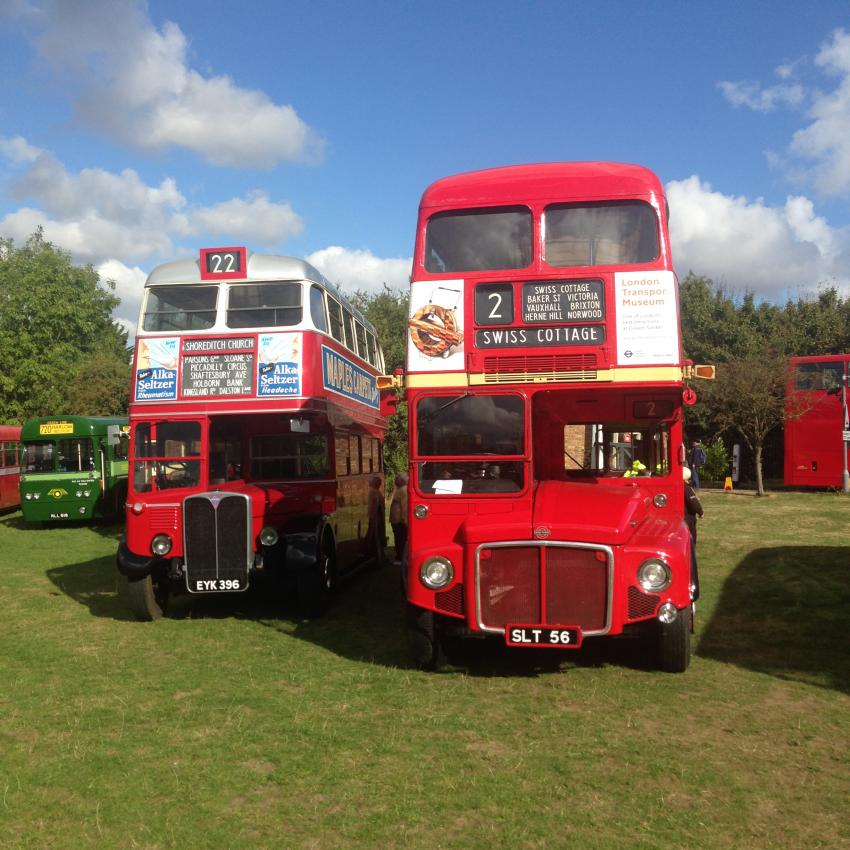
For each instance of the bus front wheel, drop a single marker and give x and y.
(423, 635)
(148, 598)
(674, 643)
(317, 584)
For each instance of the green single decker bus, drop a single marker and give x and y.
(73, 468)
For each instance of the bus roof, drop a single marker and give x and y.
(82, 425)
(261, 267)
(561, 181)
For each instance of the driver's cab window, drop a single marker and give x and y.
(166, 456)
(616, 449)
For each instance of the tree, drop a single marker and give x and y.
(53, 317)
(749, 397)
(101, 386)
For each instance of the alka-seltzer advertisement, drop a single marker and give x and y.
(435, 327)
(279, 364)
(156, 368)
(341, 376)
(647, 328)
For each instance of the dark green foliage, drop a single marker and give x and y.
(717, 461)
(54, 319)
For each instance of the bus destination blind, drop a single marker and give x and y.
(217, 367)
(550, 301)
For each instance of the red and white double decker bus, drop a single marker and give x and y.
(10, 466)
(816, 427)
(545, 386)
(256, 426)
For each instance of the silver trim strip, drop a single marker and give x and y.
(541, 544)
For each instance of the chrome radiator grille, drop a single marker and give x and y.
(216, 541)
(543, 583)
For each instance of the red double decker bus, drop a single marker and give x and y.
(545, 386)
(10, 466)
(256, 427)
(816, 426)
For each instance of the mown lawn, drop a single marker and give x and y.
(235, 725)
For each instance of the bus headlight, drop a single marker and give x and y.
(161, 545)
(268, 536)
(36, 496)
(436, 572)
(420, 511)
(654, 575)
(28, 496)
(79, 494)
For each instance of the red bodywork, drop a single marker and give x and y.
(10, 466)
(564, 547)
(815, 422)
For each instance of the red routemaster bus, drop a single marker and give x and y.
(10, 466)
(545, 386)
(816, 427)
(256, 427)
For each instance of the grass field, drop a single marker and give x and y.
(235, 725)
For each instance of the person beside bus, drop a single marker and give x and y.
(697, 460)
(375, 533)
(398, 515)
(693, 509)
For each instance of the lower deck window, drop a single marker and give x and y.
(288, 456)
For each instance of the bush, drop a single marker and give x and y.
(717, 461)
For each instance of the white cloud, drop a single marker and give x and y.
(752, 95)
(826, 140)
(137, 87)
(772, 251)
(97, 214)
(18, 150)
(360, 269)
(129, 286)
(254, 219)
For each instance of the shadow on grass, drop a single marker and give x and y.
(94, 584)
(365, 622)
(786, 611)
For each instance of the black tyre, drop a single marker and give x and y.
(423, 635)
(148, 598)
(317, 585)
(674, 643)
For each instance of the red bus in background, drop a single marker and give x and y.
(10, 466)
(815, 423)
(545, 387)
(256, 425)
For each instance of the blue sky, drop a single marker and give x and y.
(135, 133)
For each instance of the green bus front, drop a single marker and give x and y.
(73, 468)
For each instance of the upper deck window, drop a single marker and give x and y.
(604, 234)
(479, 240)
(180, 308)
(317, 308)
(264, 305)
(826, 375)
